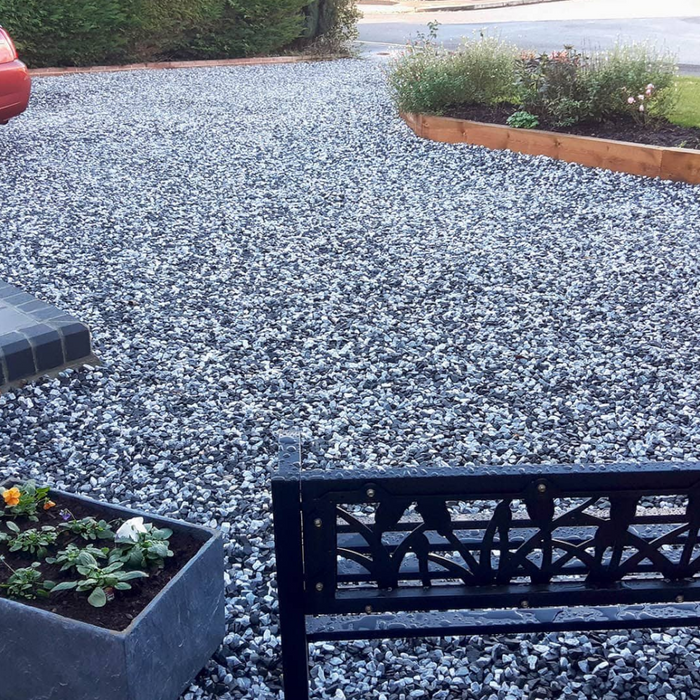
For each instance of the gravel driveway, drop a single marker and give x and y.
(257, 248)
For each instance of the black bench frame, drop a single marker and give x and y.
(566, 548)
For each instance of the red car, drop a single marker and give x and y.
(15, 83)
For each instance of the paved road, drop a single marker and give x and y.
(548, 27)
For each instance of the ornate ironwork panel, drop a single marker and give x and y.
(392, 553)
(371, 549)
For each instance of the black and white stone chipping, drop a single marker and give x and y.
(265, 247)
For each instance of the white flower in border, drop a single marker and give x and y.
(130, 530)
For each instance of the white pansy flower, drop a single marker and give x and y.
(130, 530)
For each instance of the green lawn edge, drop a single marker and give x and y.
(687, 111)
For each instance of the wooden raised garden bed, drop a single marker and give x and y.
(678, 164)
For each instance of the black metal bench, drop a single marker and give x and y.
(374, 553)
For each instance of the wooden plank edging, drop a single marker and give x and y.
(165, 65)
(678, 164)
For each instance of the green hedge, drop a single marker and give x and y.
(85, 32)
(66, 32)
(332, 24)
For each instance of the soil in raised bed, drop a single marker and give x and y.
(118, 614)
(622, 128)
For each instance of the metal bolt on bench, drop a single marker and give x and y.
(378, 554)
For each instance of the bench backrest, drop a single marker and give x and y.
(522, 536)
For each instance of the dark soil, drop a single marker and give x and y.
(623, 128)
(118, 614)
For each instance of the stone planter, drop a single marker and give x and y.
(45, 656)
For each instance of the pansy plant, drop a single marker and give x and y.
(35, 540)
(25, 583)
(101, 582)
(88, 528)
(25, 499)
(69, 557)
(140, 545)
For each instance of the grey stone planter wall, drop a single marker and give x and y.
(37, 338)
(44, 656)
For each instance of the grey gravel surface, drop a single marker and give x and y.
(257, 248)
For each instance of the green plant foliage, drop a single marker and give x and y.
(523, 120)
(687, 111)
(69, 557)
(163, 28)
(150, 548)
(34, 541)
(549, 85)
(23, 500)
(610, 78)
(428, 78)
(560, 88)
(248, 27)
(102, 582)
(89, 528)
(26, 583)
(85, 32)
(68, 32)
(332, 25)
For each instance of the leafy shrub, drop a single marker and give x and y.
(549, 85)
(560, 88)
(429, 78)
(245, 28)
(331, 25)
(612, 77)
(84, 32)
(68, 32)
(163, 28)
(523, 120)
(566, 87)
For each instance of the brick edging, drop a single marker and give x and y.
(165, 65)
